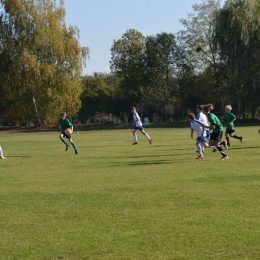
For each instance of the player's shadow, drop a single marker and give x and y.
(163, 162)
(243, 147)
(17, 156)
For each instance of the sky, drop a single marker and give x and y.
(102, 21)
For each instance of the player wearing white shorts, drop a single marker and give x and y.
(200, 130)
(138, 126)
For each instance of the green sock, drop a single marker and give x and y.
(64, 141)
(74, 146)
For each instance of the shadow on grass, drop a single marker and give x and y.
(243, 147)
(18, 156)
(163, 162)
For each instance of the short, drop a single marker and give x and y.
(230, 131)
(208, 133)
(216, 136)
(201, 139)
(67, 136)
(138, 128)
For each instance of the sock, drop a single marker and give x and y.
(64, 141)
(222, 151)
(147, 136)
(221, 143)
(74, 146)
(199, 150)
(236, 137)
(209, 146)
(135, 138)
(1, 152)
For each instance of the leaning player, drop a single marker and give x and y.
(230, 118)
(138, 126)
(64, 124)
(200, 129)
(217, 132)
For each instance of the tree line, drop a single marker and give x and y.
(214, 59)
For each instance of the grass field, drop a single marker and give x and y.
(118, 201)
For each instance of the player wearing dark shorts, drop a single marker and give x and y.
(217, 132)
(230, 118)
(64, 124)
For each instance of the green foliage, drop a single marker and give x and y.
(96, 96)
(237, 35)
(40, 73)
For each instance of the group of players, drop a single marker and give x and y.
(201, 123)
(206, 121)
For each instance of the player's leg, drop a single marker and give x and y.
(147, 136)
(226, 142)
(73, 144)
(1, 153)
(236, 137)
(199, 149)
(135, 136)
(61, 136)
(217, 138)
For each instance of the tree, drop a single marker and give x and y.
(97, 96)
(127, 55)
(40, 74)
(201, 52)
(159, 83)
(238, 38)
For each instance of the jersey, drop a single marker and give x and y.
(202, 118)
(65, 124)
(137, 117)
(197, 126)
(213, 120)
(228, 117)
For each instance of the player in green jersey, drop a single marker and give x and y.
(217, 131)
(230, 118)
(64, 124)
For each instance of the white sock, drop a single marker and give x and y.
(210, 146)
(199, 150)
(147, 136)
(1, 152)
(135, 138)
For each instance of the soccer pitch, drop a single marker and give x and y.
(118, 201)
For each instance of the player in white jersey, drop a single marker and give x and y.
(203, 119)
(138, 126)
(200, 129)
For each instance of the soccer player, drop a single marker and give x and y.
(217, 132)
(200, 129)
(230, 118)
(1, 153)
(64, 124)
(138, 126)
(203, 119)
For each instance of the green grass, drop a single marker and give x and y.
(118, 201)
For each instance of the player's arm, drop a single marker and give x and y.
(191, 133)
(232, 120)
(203, 130)
(71, 129)
(212, 126)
